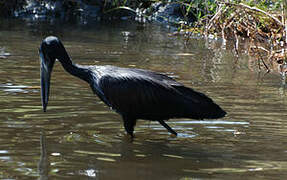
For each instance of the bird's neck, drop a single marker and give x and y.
(74, 69)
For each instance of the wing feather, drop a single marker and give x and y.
(148, 95)
(142, 94)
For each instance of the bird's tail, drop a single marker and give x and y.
(200, 106)
(213, 111)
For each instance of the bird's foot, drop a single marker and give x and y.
(131, 134)
(130, 137)
(129, 127)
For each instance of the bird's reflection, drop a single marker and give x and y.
(44, 163)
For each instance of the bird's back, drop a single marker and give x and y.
(148, 95)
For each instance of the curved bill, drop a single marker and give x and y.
(46, 66)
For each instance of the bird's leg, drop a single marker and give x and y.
(167, 127)
(129, 125)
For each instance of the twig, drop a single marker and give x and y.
(261, 48)
(236, 43)
(231, 19)
(211, 22)
(284, 15)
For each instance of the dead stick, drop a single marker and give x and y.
(218, 13)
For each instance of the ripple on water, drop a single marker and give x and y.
(212, 122)
(11, 88)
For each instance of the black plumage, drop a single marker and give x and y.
(133, 93)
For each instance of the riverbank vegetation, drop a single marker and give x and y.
(264, 26)
(261, 22)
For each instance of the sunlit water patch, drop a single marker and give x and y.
(11, 88)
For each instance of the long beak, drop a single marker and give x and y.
(46, 69)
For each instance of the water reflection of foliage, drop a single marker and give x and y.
(264, 30)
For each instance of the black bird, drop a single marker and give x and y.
(133, 93)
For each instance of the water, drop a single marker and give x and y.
(80, 138)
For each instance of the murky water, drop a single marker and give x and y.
(80, 138)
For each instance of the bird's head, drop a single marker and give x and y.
(51, 49)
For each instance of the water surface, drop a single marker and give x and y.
(80, 138)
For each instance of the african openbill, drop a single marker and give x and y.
(133, 93)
